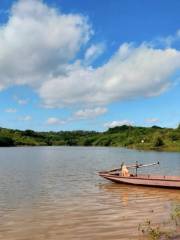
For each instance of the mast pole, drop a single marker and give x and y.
(136, 167)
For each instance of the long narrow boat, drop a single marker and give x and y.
(143, 180)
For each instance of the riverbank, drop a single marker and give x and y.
(141, 138)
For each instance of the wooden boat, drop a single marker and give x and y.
(142, 179)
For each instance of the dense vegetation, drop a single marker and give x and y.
(155, 137)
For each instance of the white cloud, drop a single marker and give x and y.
(37, 41)
(39, 47)
(93, 52)
(55, 121)
(25, 118)
(90, 113)
(118, 123)
(11, 110)
(132, 72)
(167, 41)
(151, 120)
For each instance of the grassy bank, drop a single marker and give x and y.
(152, 138)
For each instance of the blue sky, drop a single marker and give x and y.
(68, 65)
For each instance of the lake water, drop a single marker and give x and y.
(55, 193)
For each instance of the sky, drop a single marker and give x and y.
(89, 65)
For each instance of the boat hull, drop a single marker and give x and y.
(144, 180)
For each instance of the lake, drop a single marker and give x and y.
(55, 193)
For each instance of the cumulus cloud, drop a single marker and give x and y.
(39, 47)
(118, 123)
(37, 41)
(54, 121)
(11, 110)
(90, 113)
(132, 72)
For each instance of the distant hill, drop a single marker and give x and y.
(147, 138)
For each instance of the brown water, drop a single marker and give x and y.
(55, 193)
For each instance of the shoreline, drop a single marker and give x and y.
(131, 137)
(96, 146)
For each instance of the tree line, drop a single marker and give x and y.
(154, 137)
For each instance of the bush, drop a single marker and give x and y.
(6, 142)
(129, 141)
(88, 142)
(158, 142)
(174, 136)
(103, 141)
(71, 142)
